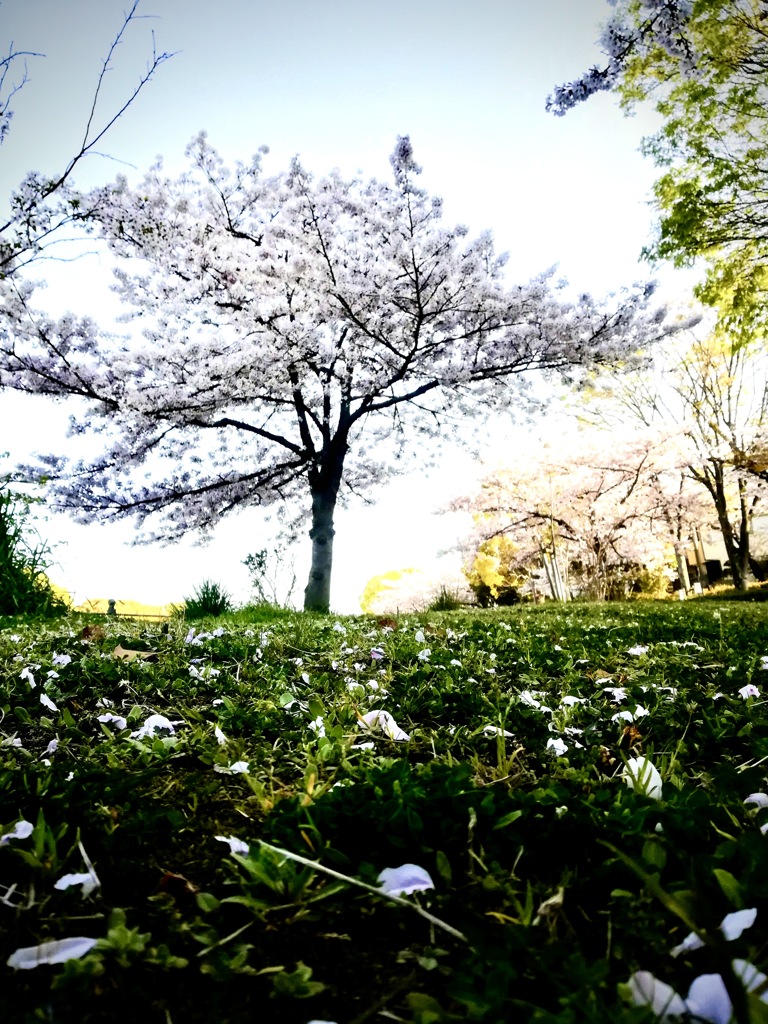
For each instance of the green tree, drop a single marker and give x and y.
(704, 63)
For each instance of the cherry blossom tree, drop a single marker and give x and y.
(602, 512)
(13, 77)
(42, 209)
(295, 335)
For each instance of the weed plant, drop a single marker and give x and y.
(208, 599)
(209, 809)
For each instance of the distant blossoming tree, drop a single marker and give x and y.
(603, 510)
(295, 334)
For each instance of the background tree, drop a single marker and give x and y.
(602, 512)
(711, 399)
(705, 65)
(297, 333)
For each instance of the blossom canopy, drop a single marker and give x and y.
(295, 335)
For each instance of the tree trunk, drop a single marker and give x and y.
(317, 593)
(737, 547)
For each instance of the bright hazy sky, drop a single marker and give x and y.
(335, 82)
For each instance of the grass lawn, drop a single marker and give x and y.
(148, 774)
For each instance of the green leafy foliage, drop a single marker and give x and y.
(556, 880)
(709, 84)
(24, 587)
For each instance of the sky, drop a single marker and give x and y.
(335, 82)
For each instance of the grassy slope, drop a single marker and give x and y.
(190, 933)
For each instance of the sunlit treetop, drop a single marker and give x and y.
(704, 64)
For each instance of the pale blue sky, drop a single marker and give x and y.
(336, 82)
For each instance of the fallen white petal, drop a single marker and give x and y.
(404, 880)
(220, 737)
(87, 879)
(758, 799)
(527, 697)
(557, 746)
(751, 977)
(47, 702)
(623, 716)
(235, 845)
(641, 774)
(152, 724)
(495, 730)
(649, 991)
(385, 722)
(117, 720)
(21, 830)
(26, 673)
(708, 999)
(56, 952)
(318, 727)
(734, 924)
(750, 690)
(689, 943)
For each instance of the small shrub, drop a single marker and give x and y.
(208, 599)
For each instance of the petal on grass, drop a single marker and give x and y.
(757, 800)
(151, 726)
(117, 720)
(56, 952)
(751, 977)
(557, 746)
(708, 999)
(404, 880)
(734, 924)
(385, 722)
(750, 690)
(640, 774)
(689, 943)
(649, 991)
(235, 845)
(87, 879)
(21, 830)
